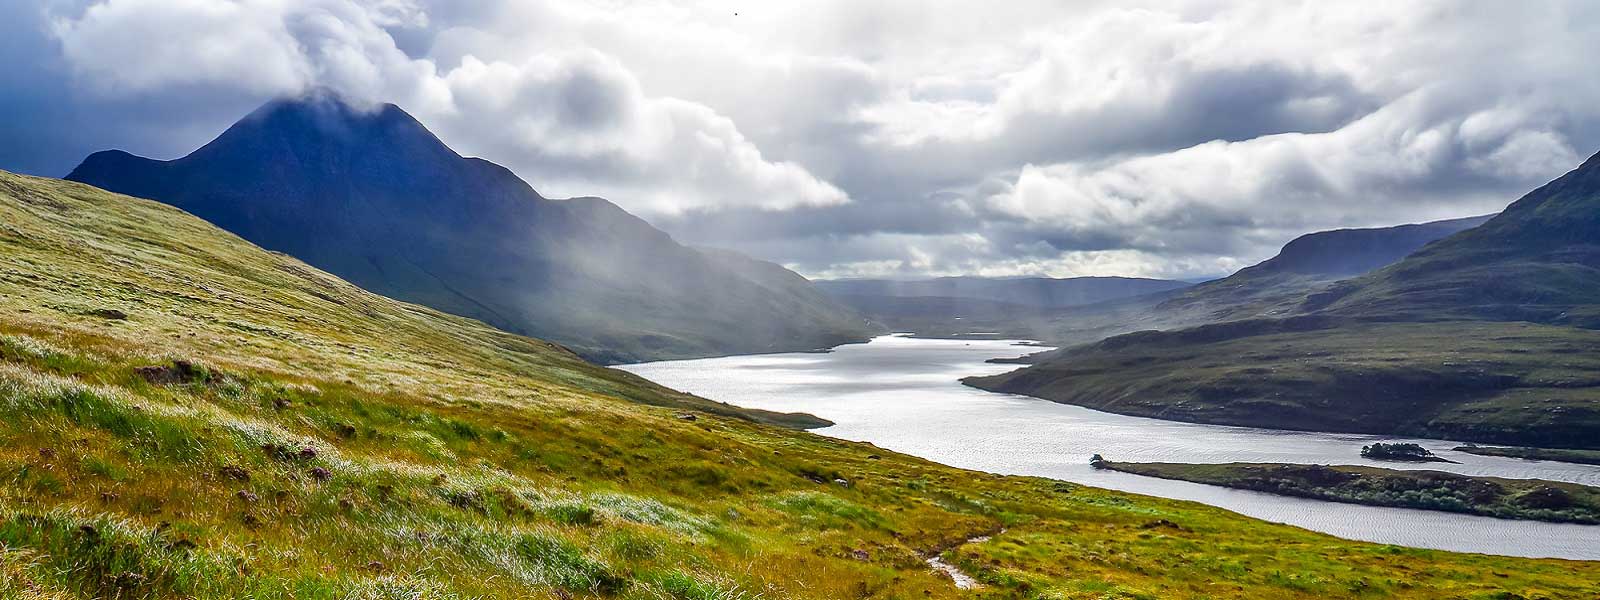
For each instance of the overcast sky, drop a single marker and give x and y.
(881, 138)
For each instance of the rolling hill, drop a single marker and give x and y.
(185, 414)
(373, 197)
(1485, 335)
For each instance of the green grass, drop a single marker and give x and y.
(329, 443)
(1530, 499)
(1493, 382)
(1586, 457)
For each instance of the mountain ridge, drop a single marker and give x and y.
(1044, 292)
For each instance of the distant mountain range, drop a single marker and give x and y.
(1042, 292)
(375, 198)
(1488, 334)
(1277, 285)
(1082, 310)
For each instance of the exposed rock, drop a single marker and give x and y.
(1162, 524)
(109, 313)
(181, 371)
(234, 472)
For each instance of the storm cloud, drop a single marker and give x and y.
(1179, 139)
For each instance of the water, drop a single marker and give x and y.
(903, 394)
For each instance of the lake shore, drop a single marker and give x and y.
(1536, 500)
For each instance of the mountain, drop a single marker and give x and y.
(1489, 335)
(1277, 285)
(1539, 261)
(1024, 307)
(373, 197)
(188, 415)
(1041, 292)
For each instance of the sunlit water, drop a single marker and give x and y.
(903, 394)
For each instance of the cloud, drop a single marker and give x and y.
(1177, 137)
(581, 123)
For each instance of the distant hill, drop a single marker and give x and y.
(1349, 252)
(375, 198)
(1025, 291)
(1279, 284)
(1486, 335)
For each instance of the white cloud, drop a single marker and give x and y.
(575, 122)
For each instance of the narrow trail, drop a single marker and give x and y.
(962, 580)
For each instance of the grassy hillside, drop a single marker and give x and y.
(1532, 499)
(185, 415)
(1587, 457)
(1516, 383)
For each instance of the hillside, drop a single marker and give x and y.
(1277, 286)
(188, 415)
(1485, 335)
(1538, 261)
(373, 197)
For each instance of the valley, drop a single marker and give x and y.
(903, 394)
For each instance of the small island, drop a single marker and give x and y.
(1582, 457)
(1529, 499)
(1400, 451)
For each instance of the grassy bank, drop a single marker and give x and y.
(1509, 383)
(186, 415)
(1530, 499)
(1585, 457)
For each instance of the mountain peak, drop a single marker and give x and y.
(367, 193)
(317, 123)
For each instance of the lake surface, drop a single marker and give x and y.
(903, 394)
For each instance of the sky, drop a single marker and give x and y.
(878, 139)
